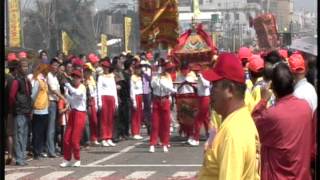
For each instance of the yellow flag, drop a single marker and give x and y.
(104, 47)
(14, 23)
(196, 8)
(127, 32)
(67, 43)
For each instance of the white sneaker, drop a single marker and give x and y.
(111, 143)
(165, 149)
(77, 164)
(96, 143)
(190, 140)
(105, 143)
(151, 149)
(194, 143)
(66, 163)
(137, 137)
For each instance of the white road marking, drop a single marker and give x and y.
(97, 175)
(17, 175)
(140, 175)
(24, 168)
(184, 174)
(114, 165)
(56, 175)
(125, 150)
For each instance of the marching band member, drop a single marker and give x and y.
(91, 86)
(136, 91)
(185, 76)
(107, 102)
(162, 88)
(203, 91)
(77, 98)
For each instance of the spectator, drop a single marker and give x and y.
(8, 115)
(147, 93)
(40, 110)
(124, 113)
(234, 153)
(54, 96)
(20, 101)
(305, 90)
(255, 68)
(284, 129)
(63, 110)
(43, 55)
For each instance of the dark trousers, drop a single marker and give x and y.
(86, 133)
(123, 120)
(39, 131)
(147, 100)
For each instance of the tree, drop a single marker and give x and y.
(43, 26)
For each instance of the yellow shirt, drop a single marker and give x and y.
(235, 151)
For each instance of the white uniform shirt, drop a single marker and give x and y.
(304, 90)
(203, 86)
(162, 85)
(106, 86)
(54, 85)
(135, 88)
(186, 89)
(77, 97)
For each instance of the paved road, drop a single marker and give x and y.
(128, 160)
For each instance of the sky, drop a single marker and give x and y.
(309, 5)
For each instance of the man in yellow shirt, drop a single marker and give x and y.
(235, 151)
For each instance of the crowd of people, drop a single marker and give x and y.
(258, 109)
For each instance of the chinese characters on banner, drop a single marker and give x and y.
(104, 48)
(14, 23)
(127, 32)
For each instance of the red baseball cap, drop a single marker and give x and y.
(105, 64)
(296, 63)
(228, 66)
(76, 73)
(93, 58)
(78, 62)
(12, 57)
(244, 52)
(22, 54)
(283, 53)
(256, 63)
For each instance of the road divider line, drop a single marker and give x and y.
(56, 175)
(97, 175)
(125, 150)
(17, 175)
(139, 175)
